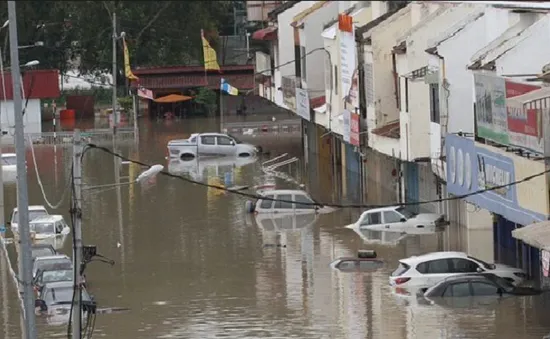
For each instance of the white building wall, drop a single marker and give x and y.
(284, 50)
(311, 33)
(530, 53)
(32, 118)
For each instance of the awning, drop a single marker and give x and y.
(321, 109)
(268, 33)
(536, 235)
(172, 98)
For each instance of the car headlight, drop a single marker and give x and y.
(520, 275)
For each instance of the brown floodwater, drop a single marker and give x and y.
(191, 264)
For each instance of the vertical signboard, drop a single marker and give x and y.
(302, 103)
(348, 62)
(491, 118)
(354, 129)
(347, 125)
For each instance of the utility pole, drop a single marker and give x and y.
(77, 248)
(22, 191)
(115, 113)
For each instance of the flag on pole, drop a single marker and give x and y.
(227, 88)
(127, 69)
(210, 58)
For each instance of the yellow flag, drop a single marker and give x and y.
(127, 69)
(210, 58)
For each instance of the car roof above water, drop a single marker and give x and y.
(53, 257)
(47, 219)
(433, 256)
(277, 192)
(33, 208)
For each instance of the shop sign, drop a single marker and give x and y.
(472, 168)
(302, 104)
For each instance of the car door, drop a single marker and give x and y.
(458, 295)
(392, 220)
(283, 206)
(461, 265)
(434, 271)
(207, 145)
(373, 221)
(226, 145)
(303, 204)
(485, 293)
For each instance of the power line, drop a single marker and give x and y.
(65, 190)
(258, 196)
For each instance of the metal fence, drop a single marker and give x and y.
(96, 136)
(263, 127)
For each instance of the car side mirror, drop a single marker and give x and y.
(403, 219)
(232, 143)
(41, 304)
(479, 270)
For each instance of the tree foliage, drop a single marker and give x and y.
(207, 98)
(157, 32)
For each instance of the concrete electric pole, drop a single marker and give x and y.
(77, 250)
(22, 191)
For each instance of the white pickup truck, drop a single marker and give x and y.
(210, 144)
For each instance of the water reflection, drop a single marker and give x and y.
(190, 266)
(198, 168)
(392, 237)
(281, 222)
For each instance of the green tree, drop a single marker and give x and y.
(207, 98)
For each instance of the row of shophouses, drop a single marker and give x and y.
(407, 101)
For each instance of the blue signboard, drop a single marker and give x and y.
(471, 168)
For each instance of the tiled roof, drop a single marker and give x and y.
(37, 84)
(240, 81)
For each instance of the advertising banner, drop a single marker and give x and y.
(354, 130)
(302, 103)
(503, 114)
(346, 126)
(348, 61)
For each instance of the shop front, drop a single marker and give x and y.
(474, 167)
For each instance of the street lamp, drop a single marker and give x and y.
(36, 44)
(150, 173)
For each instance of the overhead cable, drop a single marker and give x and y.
(320, 204)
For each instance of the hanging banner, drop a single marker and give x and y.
(354, 130)
(348, 62)
(525, 116)
(491, 118)
(145, 93)
(346, 130)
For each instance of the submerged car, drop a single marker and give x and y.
(44, 277)
(42, 250)
(210, 144)
(426, 270)
(54, 262)
(483, 288)
(35, 211)
(285, 201)
(366, 261)
(397, 218)
(60, 294)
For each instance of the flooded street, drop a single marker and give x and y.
(190, 263)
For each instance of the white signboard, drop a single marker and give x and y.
(302, 103)
(347, 124)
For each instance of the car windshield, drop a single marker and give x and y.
(53, 264)
(43, 227)
(405, 212)
(41, 252)
(9, 160)
(63, 295)
(485, 265)
(57, 275)
(236, 140)
(32, 215)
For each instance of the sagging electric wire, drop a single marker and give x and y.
(320, 204)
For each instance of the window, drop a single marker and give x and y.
(369, 81)
(372, 219)
(486, 266)
(458, 290)
(193, 140)
(434, 103)
(346, 265)
(464, 266)
(407, 95)
(58, 228)
(434, 267)
(391, 217)
(42, 228)
(405, 212)
(303, 64)
(281, 204)
(225, 141)
(297, 65)
(484, 289)
(300, 198)
(265, 204)
(401, 269)
(335, 77)
(9, 160)
(210, 140)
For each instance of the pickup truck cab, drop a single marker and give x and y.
(210, 144)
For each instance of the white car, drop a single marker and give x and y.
(397, 218)
(59, 261)
(35, 211)
(426, 270)
(285, 201)
(210, 144)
